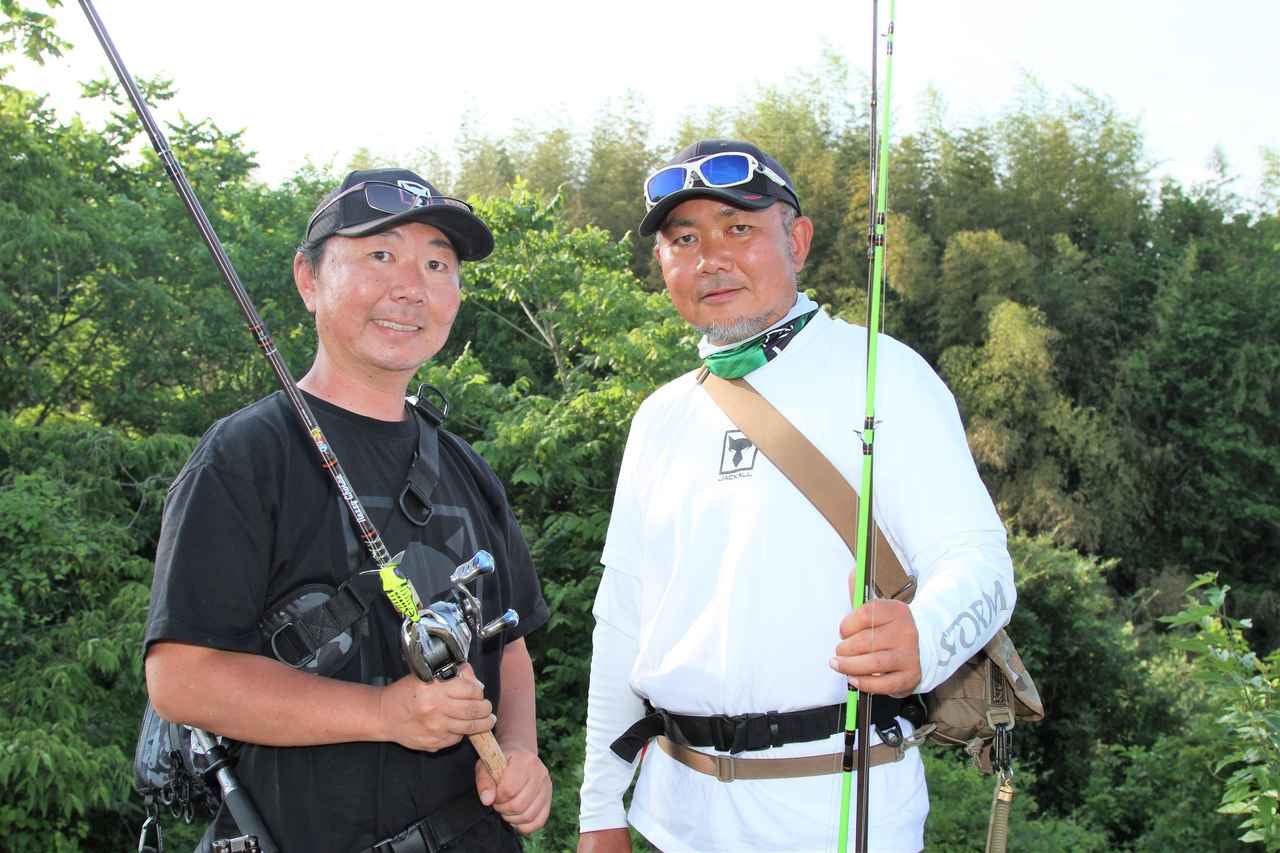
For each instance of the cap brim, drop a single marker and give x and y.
(750, 200)
(471, 238)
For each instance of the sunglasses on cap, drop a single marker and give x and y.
(390, 198)
(726, 169)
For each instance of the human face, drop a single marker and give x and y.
(383, 304)
(731, 272)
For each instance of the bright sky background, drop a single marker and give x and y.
(319, 80)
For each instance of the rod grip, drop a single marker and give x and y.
(490, 753)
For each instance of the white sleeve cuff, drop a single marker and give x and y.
(612, 706)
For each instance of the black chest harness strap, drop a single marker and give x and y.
(747, 732)
(297, 640)
(424, 470)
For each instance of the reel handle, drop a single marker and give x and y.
(510, 619)
(480, 564)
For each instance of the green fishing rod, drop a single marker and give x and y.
(858, 704)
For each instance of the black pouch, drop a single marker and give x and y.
(168, 770)
(318, 628)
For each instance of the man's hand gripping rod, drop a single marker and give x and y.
(436, 640)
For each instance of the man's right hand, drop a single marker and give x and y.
(434, 715)
(605, 841)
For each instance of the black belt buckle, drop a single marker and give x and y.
(724, 733)
(410, 841)
(744, 732)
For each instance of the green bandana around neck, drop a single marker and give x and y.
(736, 362)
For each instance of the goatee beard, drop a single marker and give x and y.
(738, 329)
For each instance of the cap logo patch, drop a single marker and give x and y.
(420, 192)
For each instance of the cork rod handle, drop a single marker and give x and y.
(490, 753)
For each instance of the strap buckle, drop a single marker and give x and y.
(1002, 716)
(746, 732)
(421, 517)
(297, 639)
(724, 767)
(890, 734)
(728, 734)
(919, 736)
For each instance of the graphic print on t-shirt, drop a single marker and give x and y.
(449, 537)
(737, 456)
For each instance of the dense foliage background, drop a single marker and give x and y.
(1114, 347)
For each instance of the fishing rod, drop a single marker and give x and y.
(397, 587)
(858, 703)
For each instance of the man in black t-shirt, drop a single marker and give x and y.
(350, 752)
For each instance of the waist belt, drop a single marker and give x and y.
(746, 732)
(726, 768)
(433, 832)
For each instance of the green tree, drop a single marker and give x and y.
(980, 270)
(1204, 391)
(112, 307)
(79, 512)
(1074, 637)
(1244, 692)
(1271, 181)
(968, 170)
(487, 167)
(619, 158)
(1052, 466)
(29, 32)
(1076, 169)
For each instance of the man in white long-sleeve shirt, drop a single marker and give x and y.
(725, 592)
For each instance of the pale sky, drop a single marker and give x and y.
(319, 80)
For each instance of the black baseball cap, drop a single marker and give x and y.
(392, 196)
(756, 194)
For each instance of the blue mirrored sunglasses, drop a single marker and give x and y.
(727, 169)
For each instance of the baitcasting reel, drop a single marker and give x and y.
(440, 640)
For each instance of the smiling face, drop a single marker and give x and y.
(383, 304)
(731, 272)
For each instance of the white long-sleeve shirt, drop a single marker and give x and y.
(723, 590)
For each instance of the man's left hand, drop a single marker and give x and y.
(880, 649)
(523, 798)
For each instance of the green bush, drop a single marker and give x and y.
(78, 505)
(960, 810)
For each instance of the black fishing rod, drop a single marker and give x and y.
(369, 533)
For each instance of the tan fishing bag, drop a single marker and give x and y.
(992, 692)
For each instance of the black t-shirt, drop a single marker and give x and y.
(253, 518)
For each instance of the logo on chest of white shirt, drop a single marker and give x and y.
(737, 455)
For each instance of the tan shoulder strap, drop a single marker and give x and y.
(808, 470)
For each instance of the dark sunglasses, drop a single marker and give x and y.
(727, 169)
(390, 198)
